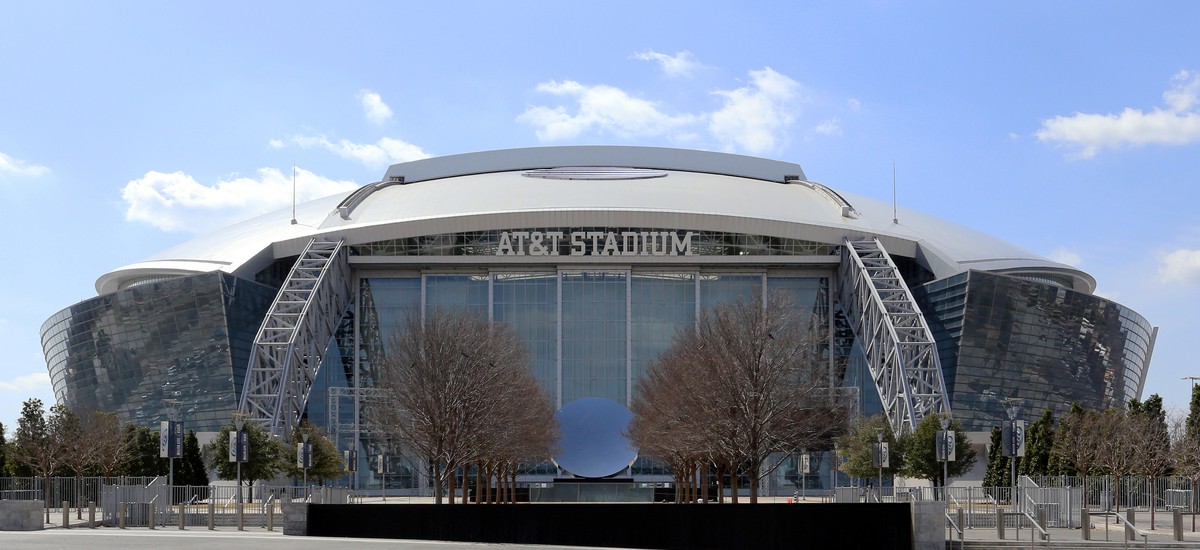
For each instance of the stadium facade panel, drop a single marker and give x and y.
(596, 256)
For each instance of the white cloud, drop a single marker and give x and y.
(854, 104)
(275, 144)
(26, 383)
(1065, 256)
(177, 202)
(373, 106)
(681, 64)
(1180, 266)
(1088, 134)
(602, 108)
(18, 167)
(374, 155)
(831, 127)
(754, 116)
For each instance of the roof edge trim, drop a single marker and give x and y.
(655, 158)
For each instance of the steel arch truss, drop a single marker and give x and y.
(293, 338)
(899, 348)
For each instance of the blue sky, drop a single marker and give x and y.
(1069, 128)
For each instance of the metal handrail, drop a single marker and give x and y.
(954, 525)
(1033, 521)
(1130, 527)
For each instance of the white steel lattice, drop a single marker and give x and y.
(291, 342)
(896, 342)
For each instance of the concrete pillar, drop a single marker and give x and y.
(270, 511)
(182, 514)
(92, 514)
(150, 509)
(1177, 522)
(240, 521)
(121, 514)
(1085, 523)
(1131, 515)
(66, 512)
(212, 512)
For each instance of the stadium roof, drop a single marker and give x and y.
(594, 186)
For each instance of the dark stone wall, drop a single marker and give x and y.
(760, 526)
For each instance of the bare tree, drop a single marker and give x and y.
(451, 383)
(1117, 446)
(114, 446)
(1185, 453)
(749, 381)
(1151, 440)
(1077, 442)
(40, 442)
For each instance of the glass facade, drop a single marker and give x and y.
(185, 339)
(591, 332)
(1007, 337)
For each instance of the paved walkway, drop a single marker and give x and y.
(258, 538)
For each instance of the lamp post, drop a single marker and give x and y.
(172, 439)
(305, 462)
(238, 452)
(1194, 485)
(1016, 437)
(944, 447)
(881, 456)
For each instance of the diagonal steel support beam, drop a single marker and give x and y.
(293, 338)
(899, 348)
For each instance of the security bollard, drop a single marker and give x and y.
(241, 523)
(121, 514)
(1085, 523)
(92, 514)
(270, 511)
(66, 510)
(151, 510)
(1177, 522)
(1130, 515)
(962, 516)
(182, 514)
(1042, 515)
(1000, 522)
(212, 513)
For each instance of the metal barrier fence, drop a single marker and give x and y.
(137, 501)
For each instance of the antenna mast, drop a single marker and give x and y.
(293, 193)
(894, 218)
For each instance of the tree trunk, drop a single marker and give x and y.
(756, 465)
(733, 485)
(465, 484)
(720, 483)
(704, 482)
(437, 483)
(1152, 495)
(450, 485)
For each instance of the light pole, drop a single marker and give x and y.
(238, 424)
(1195, 493)
(306, 462)
(1013, 408)
(880, 454)
(945, 451)
(172, 428)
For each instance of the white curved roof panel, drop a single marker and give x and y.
(687, 190)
